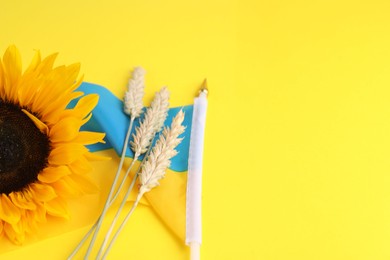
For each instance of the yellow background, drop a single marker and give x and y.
(298, 130)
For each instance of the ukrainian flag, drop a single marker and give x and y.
(168, 200)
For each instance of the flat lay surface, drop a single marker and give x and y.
(297, 142)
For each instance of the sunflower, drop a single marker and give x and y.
(43, 158)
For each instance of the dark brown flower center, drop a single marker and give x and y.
(24, 149)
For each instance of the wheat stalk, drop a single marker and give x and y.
(133, 106)
(152, 123)
(156, 164)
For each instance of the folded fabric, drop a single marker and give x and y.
(108, 117)
(168, 200)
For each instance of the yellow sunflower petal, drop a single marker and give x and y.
(80, 166)
(38, 123)
(57, 208)
(12, 66)
(86, 138)
(85, 183)
(72, 72)
(20, 200)
(42, 192)
(40, 213)
(8, 211)
(31, 221)
(66, 153)
(83, 107)
(45, 90)
(53, 111)
(47, 64)
(53, 89)
(65, 130)
(2, 89)
(67, 187)
(94, 157)
(52, 174)
(20, 226)
(26, 94)
(1, 227)
(34, 62)
(17, 238)
(77, 83)
(25, 223)
(87, 118)
(59, 81)
(87, 104)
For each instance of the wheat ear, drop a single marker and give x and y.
(156, 164)
(159, 159)
(154, 120)
(135, 92)
(152, 123)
